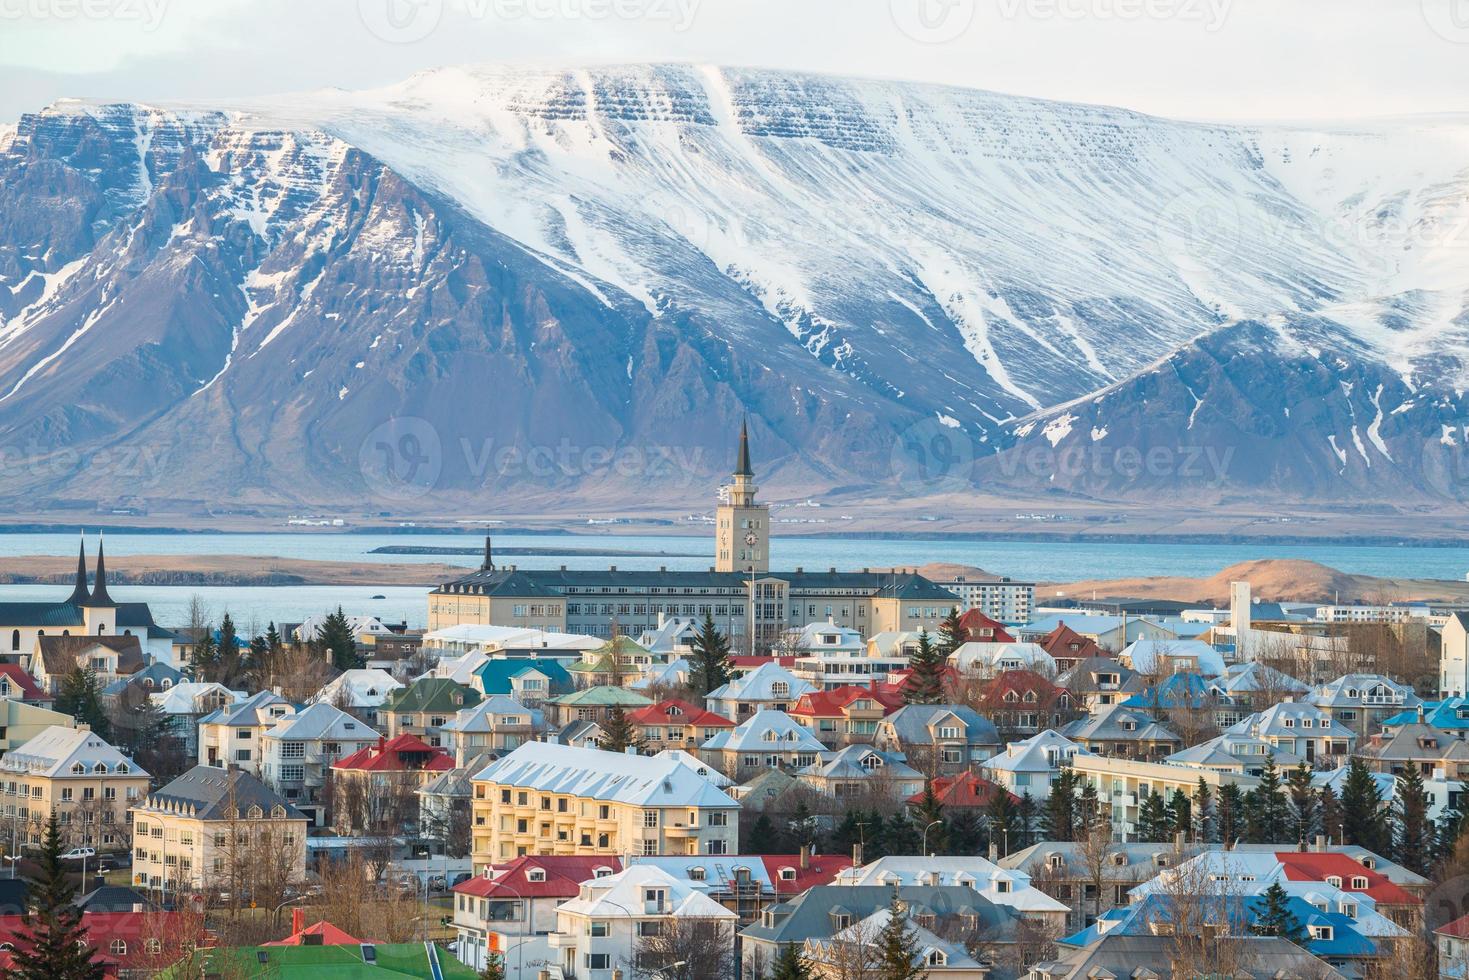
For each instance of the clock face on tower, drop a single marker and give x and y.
(751, 539)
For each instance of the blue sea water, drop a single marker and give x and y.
(1026, 560)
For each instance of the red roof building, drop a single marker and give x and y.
(1023, 702)
(304, 935)
(539, 876)
(1068, 647)
(979, 628)
(17, 685)
(792, 874)
(675, 724)
(1341, 871)
(125, 941)
(964, 791)
(845, 715)
(402, 753)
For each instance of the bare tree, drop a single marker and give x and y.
(853, 956)
(685, 948)
(1098, 858)
(1200, 907)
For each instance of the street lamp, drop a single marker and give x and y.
(13, 859)
(931, 825)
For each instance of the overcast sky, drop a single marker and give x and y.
(1217, 59)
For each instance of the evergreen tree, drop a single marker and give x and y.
(1363, 820)
(900, 837)
(951, 634)
(1027, 819)
(1446, 832)
(926, 682)
(1059, 818)
(618, 733)
(1414, 831)
(53, 943)
(710, 666)
(1305, 804)
(259, 652)
(1203, 807)
(965, 833)
(1152, 819)
(790, 964)
(334, 636)
(898, 954)
(80, 695)
(847, 833)
(1229, 814)
(205, 661)
(1003, 817)
(229, 652)
(1088, 810)
(1271, 810)
(763, 838)
(800, 830)
(273, 642)
(929, 813)
(875, 845)
(1180, 816)
(1275, 917)
(1330, 817)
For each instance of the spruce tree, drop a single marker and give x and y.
(763, 838)
(229, 652)
(898, 955)
(335, 636)
(205, 660)
(847, 833)
(1363, 821)
(1305, 804)
(1414, 831)
(900, 837)
(1059, 818)
(619, 733)
(965, 833)
(273, 642)
(710, 666)
(80, 695)
(1088, 810)
(951, 634)
(1152, 819)
(790, 964)
(1180, 816)
(1275, 917)
(1229, 814)
(1004, 822)
(926, 682)
(876, 828)
(53, 942)
(1271, 810)
(1330, 817)
(1027, 820)
(1203, 813)
(929, 813)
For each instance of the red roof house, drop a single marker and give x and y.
(1068, 647)
(979, 628)
(1347, 874)
(966, 790)
(675, 724)
(1023, 702)
(304, 935)
(17, 685)
(792, 874)
(124, 941)
(557, 876)
(402, 753)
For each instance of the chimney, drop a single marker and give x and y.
(805, 857)
(298, 920)
(857, 855)
(1321, 843)
(1179, 840)
(994, 852)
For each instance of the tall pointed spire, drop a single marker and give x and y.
(489, 563)
(99, 582)
(742, 464)
(79, 593)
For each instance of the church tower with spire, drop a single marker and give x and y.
(742, 526)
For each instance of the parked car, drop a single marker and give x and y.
(79, 854)
(462, 877)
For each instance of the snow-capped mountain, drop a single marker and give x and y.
(539, 281)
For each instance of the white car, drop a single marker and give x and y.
(79, 853)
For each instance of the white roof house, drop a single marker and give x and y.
(614, 776)
(195, 698)
(938, 957)
(1172, 657)
(770, 682)
(996, 658)
(1002, 886)
(359, 625)
(362, 688)
(324, 722)
(673, 637)
(1044, 752)
(1362, 690)
(693, 762)
(765, 731)
(64, 752)
(623, 895)
(455, 641)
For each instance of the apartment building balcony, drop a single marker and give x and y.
(681, 830)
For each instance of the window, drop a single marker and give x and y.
(598, 929)
(117, 948)
(293, 750)
(599, 961)
(1359, 882)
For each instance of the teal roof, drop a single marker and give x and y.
(604, 696)
(495, 676)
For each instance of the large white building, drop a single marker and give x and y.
(998, 598)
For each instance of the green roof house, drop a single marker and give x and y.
(425, 706)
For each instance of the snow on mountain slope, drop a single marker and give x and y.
(636, 255)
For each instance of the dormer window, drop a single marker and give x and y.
(787, 874)
(1359, 882)
(1325, 933)
(1334, 881)
(937, 958)
(78, 769)
(696, 874)
(535, 874)
(1055, 862)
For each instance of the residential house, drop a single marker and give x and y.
(1022, 703)
(1110, 633)
(424, 707)
(185, 703)
(531, 682)
(844, 715)
(1122, 784)
(1452, 939)
(360, 692)
(938, 739)
(1453, 657)
(233, 735)
(1154, 957)
(966, 791)
(592, 704)
(110, 657)
(830, 656)
(1096, 683)
(495, 726)
(1086, 882)
(1253, 686)
(767, 687)
(938, 959)
(676, 724)
(824, 910)
(152, 678)
(766, 740)
(510, 909)
(987, 660)
(551, 799)
(17, 685)
(73, 773)
(376, 787)
(1363, 702)
(862, 772)
(298, 752)
(1302, 730)
(601, 930)
(1127, 733)
(216, 829)
(1418, 745)
(1068, 647)
(1032, 765)
(747, 884)
(615, 663)
(766, 791)
(1157, 658)
(21, 721)
(135, 943)
(1007, 887)
(672, 638)
(976, 627)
